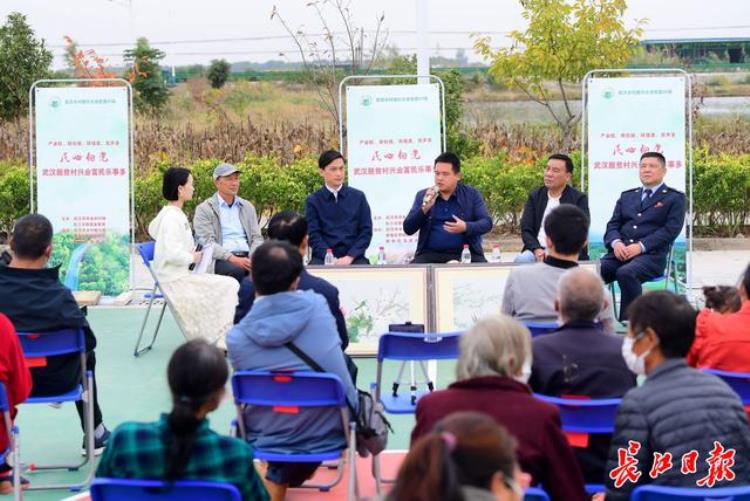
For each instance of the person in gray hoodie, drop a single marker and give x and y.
(282, 314)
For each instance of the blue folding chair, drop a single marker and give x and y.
(285, 391)
(540, 328)
(65, 342)
(408, 347)
(664, 493)
(146, 250)
(411, 347)
(535, 494)
(13, 447)
(738, 381)
(581, 416)
(116, 489)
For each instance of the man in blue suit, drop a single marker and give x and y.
(448, 216)
(644, 224)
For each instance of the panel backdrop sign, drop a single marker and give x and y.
(393, 137)
(626, 118)
(83, 183)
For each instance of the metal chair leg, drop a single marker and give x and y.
(88, 406)
(137, 351)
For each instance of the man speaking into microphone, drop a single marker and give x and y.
(448, 216)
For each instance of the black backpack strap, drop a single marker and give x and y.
(304, 356)
(317, 368)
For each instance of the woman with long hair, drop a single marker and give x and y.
(203, 304)
(467, 457)
(181, 445)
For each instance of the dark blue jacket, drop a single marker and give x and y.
(656, 223)
(344, 225)
(473, 212)
(580, 359)
(306, 282)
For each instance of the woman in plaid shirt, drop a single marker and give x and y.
(180, 445)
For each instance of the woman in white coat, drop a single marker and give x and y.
(203, 304)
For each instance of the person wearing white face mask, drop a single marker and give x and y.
(492, 370)
(677, 409)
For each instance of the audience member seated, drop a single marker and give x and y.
(289, 226)
(203, 304)
(722, 340)
(677, 410)
(556, 190)
(492, 370)
(180, 445)
(283, 315)
(15, 376)
(530, 291)
(722, 298)
(580, 360)
(35, 301)
(467, 456)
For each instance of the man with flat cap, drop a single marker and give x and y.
(230, 222)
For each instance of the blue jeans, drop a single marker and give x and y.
(525, 257)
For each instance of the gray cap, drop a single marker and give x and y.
(224, 170)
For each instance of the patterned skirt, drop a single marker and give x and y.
(203, 305)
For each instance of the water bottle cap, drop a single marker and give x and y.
(329, 250)
(466, 246)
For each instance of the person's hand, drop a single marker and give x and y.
(344, 261)
(428, 206)
(619, 249)
(197, 256)
(633, 250)
(599, 496)
(456, 227)
(539, 254)
(242, 262)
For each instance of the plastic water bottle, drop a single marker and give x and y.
(329, 259)
(466, 254)
(381, 256)
(495, 258)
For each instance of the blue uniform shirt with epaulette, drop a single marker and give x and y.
(654, 220)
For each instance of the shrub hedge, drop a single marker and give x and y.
(721, 188)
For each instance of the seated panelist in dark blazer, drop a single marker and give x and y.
(645, 223)
(448, 216)
(338, 216)
(541, 201)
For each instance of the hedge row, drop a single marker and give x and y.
(721, 189)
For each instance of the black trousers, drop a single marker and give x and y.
(361, 260)
(66, 370)
(429, 256)
(223, 267)
(630, 275)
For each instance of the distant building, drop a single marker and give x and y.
(697, 51)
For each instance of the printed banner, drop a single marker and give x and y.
(83, 183)
(626, 118)
(393, 138)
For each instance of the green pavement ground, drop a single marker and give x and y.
(135, 389)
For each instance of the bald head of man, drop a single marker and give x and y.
(580, 296)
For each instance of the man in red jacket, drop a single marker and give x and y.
(15, 376)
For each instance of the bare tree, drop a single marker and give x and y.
(329, 56)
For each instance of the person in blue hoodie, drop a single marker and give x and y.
(283, 314)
